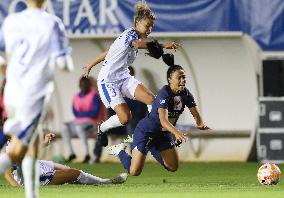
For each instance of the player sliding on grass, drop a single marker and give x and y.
(155, 132)
(114, 80)
(54, 174)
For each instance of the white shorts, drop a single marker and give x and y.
(24, 112)
(46, 171)
(112, 93)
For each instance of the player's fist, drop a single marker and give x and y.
(171, 45)
(87, 68)
(202, 127)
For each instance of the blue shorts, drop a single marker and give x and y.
(144, 140)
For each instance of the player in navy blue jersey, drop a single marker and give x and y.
(156, 132)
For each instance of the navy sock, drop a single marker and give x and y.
(156, 154)
(3, 139)
(125, 160)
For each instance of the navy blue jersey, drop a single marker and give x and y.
(175, 105)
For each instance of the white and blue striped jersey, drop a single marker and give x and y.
(46, 172)
(32, 39)
(121, 54)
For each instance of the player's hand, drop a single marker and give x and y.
(48, 138)
(87, 68)
(171, 45)
(180, 136)
(203, 127)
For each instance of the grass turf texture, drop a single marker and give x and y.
(220, 180)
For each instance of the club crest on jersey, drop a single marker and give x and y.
(177, 103)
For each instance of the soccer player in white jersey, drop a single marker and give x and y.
(34, 42)
(114, 80)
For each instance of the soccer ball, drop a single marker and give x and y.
(269, 174)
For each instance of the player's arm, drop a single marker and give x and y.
(94, 62)
(47, 139)
(60, 48)
(145, 45)
(163, 116)
(10, 179)
(198, 120)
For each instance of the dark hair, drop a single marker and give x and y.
(131, 70)
(85, 84)
(142, 11)
(169, 59)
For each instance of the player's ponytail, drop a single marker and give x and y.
(142, 11)
(169, 59)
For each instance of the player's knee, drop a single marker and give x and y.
(124, 118)
(16, 156)
(74, 172)
(172, 168)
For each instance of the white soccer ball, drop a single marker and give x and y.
(269, 174)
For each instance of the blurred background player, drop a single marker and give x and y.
(52, 173)
(88, 111)
(34, 42)
(3, 114)
(154, 132)
(114, 80)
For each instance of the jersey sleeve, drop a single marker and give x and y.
(162, 100)
(189, 99)
(59, 41)
(131, 36)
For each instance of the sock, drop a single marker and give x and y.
(125, 160)
(5, 162)
(156, 154)
(3, 139)
(86, 178)
(149, 108)
(110, 123)
(29, 167)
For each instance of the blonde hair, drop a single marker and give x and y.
(142, 11)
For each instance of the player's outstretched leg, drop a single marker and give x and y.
(123, 115)
(64, 174)
(31, 178)
(145, 95)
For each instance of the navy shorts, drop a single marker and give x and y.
(144, 140)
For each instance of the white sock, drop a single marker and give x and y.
(149, 108)
(110, 123)
(5, 162)
(86, 178)
(29, 166)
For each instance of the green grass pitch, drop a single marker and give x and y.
(194, 180)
